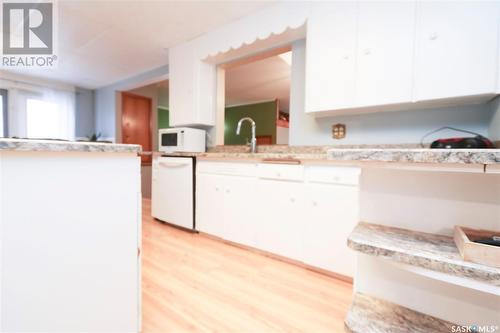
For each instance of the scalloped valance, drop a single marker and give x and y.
(247, 30)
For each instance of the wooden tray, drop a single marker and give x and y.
(476, 252)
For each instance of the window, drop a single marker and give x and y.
(3, 113)
(37, 112)
(43, 120)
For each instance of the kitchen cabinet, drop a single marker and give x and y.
(332, 206)
(70, 236)
(190, 101)
(181, 85)
(280, 217)
(385, 51)
(304, 213)
(210, 205)
(226, 201)
(240, 209)
(373, 56)
(456, 49)
(331, 56)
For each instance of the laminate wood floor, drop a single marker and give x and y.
(192, 283)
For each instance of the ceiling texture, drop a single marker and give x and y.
(102, 42)
(259, 81)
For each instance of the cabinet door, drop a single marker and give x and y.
(280, 217)
(456, 50)
(181, 85)
(240, 205)
(386, 34)
(332, 215)
(210, 204)
(330, 56)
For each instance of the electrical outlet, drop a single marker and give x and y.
(338, 131)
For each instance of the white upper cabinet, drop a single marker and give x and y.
(181, 81)
(457, 49)
(385, 51)
(330, 56)
(362, 55)
(190, 103)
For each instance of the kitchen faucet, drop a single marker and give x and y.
(253, 142)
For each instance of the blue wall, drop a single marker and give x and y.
(394, 127)
(84, 113)
(398, 127)
(494, 130)
(105, 100)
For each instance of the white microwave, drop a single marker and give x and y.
(181, 139)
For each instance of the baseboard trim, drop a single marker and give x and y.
(298, 263)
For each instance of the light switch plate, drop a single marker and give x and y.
(338, 131)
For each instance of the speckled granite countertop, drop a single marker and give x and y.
(65, 146)
(354, 154)
(413, 155)
(430, 251)
(370, 314)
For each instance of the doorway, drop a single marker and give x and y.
(148, 123)
(258, 87)
(136, 123)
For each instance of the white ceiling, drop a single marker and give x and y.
(259, 81)
(101, 42)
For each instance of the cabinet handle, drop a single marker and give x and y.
(433, 36)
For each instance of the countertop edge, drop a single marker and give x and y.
(65, 146)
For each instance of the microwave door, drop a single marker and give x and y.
(169, 140)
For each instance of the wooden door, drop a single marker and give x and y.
(264, 139)
(136, 122)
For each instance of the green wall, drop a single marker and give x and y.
(264, 115)
(163, 118)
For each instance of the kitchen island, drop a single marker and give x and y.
(69, 236)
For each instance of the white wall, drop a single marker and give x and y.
(385, 127)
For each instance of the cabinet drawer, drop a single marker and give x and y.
(229, 169)
(333, 175)
(281, 172)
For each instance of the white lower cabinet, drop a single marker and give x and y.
(240, 210)
(331, 214)
(210, 206)
(279, 222)
(226, 201)
(297, 212)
